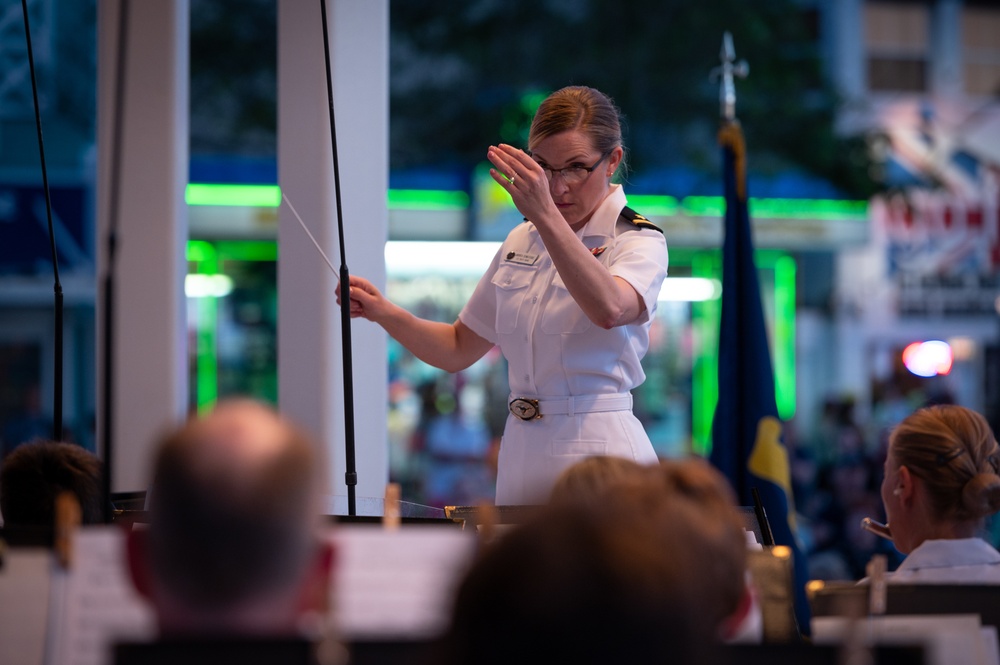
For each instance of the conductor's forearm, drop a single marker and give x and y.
(448, 346)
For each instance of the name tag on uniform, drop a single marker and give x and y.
(523, 259)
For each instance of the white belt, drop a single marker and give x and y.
(529, 408)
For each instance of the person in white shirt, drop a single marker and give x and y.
(568, 298)
(941, 482)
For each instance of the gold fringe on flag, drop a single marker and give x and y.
(731, 136)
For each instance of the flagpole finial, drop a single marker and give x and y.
(725, 72)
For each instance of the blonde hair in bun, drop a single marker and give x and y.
(981, 495)
(953, 450)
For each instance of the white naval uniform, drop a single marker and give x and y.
(951, 561)
(580, 372)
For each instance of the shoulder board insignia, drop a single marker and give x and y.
(634, 218)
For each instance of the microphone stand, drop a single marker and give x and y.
(351, 474)
(108, 320)
(57, 398)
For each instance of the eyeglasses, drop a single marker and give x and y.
(573, 174)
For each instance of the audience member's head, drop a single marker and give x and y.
(232, 544)
(590, 478)
(697, 499)
(628, 563)
(579, 585)
(941, 476)
(35, 473)
(703, 513)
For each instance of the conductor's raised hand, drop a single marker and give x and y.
(524, 180)
(366, 301)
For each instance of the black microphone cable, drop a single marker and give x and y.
(57, 384)
(108, 320)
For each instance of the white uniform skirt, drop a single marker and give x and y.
(534, 452)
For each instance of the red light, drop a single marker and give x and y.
(929, 358)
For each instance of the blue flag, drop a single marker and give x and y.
(746, 432)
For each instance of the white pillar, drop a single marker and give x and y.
(850, 53)
(150, 351)
(310, 350)
(945, 55)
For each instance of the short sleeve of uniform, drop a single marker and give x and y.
(480, 312)
(640, 258)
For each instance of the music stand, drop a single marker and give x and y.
(394, 652)
(839, 598)
(370, 506)
(751, 523)
(515, 514)
(771, 573)
(28, 536)
(216, 651)
(803, 653)
(129, 500)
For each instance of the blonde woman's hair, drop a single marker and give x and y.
(954, 452)
(582, 108)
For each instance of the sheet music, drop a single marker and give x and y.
(397, 583)
(991, 647)
(94, 604)
(24, 604)
(952, 639)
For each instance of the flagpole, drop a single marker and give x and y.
(730, 134)
(747, 445)
(726, 71)
(730, 138)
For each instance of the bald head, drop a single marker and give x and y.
(238, 451)
(232, 507)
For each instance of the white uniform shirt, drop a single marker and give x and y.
(951, 561)
(554, 351)
(552, 348)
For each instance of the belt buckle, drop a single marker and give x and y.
(524, 408)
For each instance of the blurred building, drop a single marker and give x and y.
(921, 81)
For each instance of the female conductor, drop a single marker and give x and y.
(568, 298)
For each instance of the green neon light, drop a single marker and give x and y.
(207, 359)
(269, 196)
(809, 209)
(246, 196)
(205, 258)
(208, 259)
(705, 317)
(427, 199)
(199, 250)
(715, 206)
(650, 205)
(784, 336)
(247, 250)
(706, 206)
